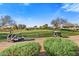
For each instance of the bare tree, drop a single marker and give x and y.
(21, 26)
(7, 20)
(58, 22)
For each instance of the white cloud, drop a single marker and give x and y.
(74, 7)
(26, 4)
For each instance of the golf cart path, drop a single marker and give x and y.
(4, 45)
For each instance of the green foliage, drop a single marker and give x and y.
(22, 49)
(69, 33)
(15, 27)
(31, 34)
(21, 26)
(3, 36)
(38, 33)
(65, 36)
(66, 30)
(45, 26)
(60, 47)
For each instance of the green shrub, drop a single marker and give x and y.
(22, 49)
(65, 36)
(66, 30)
(60, 47)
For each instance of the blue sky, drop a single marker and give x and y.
(33, 14)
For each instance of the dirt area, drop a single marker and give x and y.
(75, 39)
(4, 45)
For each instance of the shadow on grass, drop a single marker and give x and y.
(21, 40)
(43, 53)
(77, 51)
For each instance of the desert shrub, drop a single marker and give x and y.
(22, 49)
(60, 47)
(65, 36)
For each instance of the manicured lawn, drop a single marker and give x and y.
(3, 36)
(37, 33)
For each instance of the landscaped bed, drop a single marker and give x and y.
(60, 47)
(22, 49)
(41, 43)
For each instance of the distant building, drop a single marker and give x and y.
(70, 26)
(7, 26)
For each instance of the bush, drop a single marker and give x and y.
(60, 47)
(66, 30)
(65, 36)
(22, 49)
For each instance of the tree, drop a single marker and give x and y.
(45, 26)
(15, 27)
(35, 27)
(21, 26)
(58, 22)
(40, 27)
(7, 20)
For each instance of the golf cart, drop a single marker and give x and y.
(14, 38)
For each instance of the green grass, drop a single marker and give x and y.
(3, 36)
(31, 34)
(38, 33)
(22, 49)
(60, 47)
